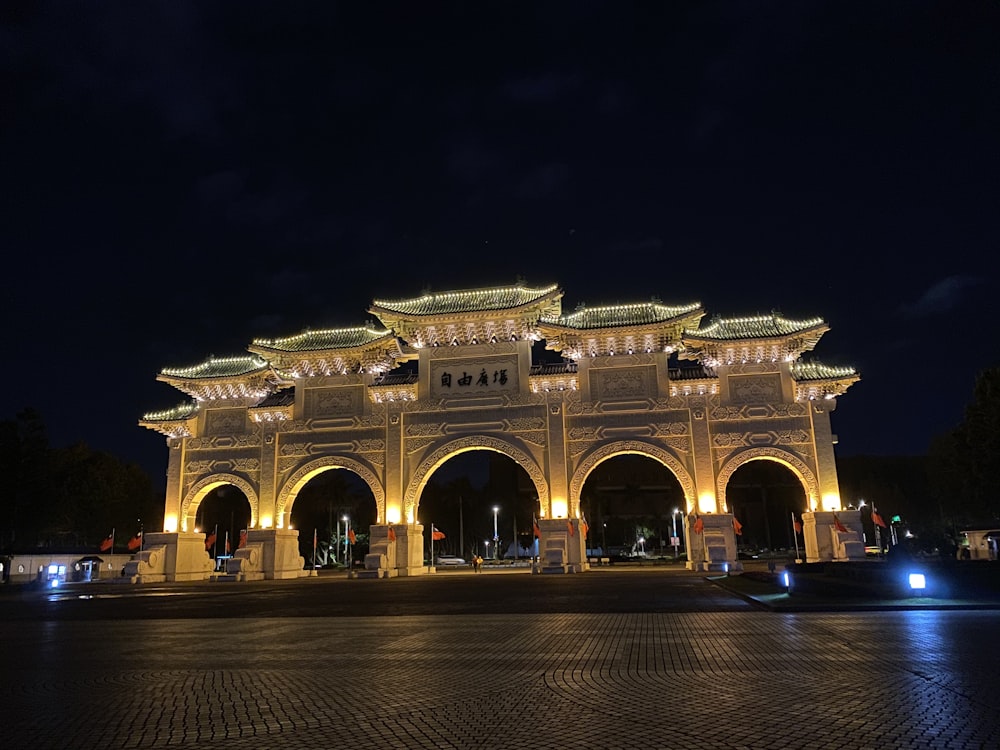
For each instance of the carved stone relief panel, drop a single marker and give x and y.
(225, 421)
(623, 383)
(343, 401)
(755, 389)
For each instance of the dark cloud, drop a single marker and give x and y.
(945, 296)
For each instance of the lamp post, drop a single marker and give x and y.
(496, 534)
(675, 539)
(347, 531)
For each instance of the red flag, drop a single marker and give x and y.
(796, 524)
(108, 542)
(392, 534)
(836, 522)
(569, 527)
(351, 537)
(584, 525)
(227, 542)
(436, 535)
(737, 527)
(243, 539)
(534, 527)
(699, 525)
(878, 519)
(135, 542)
(210, 540)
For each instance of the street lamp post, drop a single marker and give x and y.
(347, 541)
(675, 540)
(496, 534)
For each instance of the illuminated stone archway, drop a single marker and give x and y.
(199, 490)
(629, 447)
(452, 448)
(449, 372)
(299, 478)
(790, 461)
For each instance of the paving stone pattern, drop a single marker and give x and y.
(685, 680)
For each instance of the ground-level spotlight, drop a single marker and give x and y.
(786, 580)
(917, 581)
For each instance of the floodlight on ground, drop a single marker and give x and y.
(786, 580)
(918, 581)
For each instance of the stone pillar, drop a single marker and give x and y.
(172, 520)
(560, 551)
(279, 551)
(170, 556)
(713, 549)
(409, 549)
(825, 543)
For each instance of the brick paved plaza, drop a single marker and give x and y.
(597, 660)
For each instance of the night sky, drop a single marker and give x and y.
(180, 178)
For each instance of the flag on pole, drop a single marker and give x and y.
(584, 525)
(392, 534)
(699, 525)
(436, 534)
(737, 527)
(878, 519)
(210, 539)
(350, 536)
(108, 542)
(243, 539)
(569, 527)
(534, 527)
(135, 542)
(796, 524)
(840, 527)
(227, 542)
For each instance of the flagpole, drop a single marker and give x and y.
(431, 566)
(795, 538)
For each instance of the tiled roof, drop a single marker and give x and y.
(279, 398)
(218, 367)
(472, 300)
(759, 327)
(611, 316)
(815, 371)
(553, 368)
(180, 412)
(691, 373)
(336, 338)
(397, 378)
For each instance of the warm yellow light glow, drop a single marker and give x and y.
(393, 514)
(170, 523)
(707, 503)
(831, 501)
(560, 508)
(266, 521)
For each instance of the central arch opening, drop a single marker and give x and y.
(762, 495)
(635, 507)
(483, 503)
(333, 504)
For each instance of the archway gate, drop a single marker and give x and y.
(644, 378)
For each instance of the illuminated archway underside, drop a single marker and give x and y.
(462, 445)
(792, 462)
(291, 487)
(633, 447)
(200, 489)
